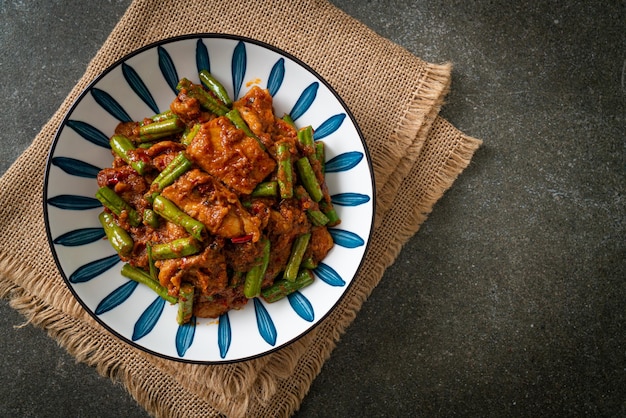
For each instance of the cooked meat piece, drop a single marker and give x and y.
(283, 227)
(256, 109)
(228, 154)
(188, 109)
(203, 197)
(320, 244)
(126, 182)
(207, 271)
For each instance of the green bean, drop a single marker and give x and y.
(295, 259)
(305, 136)
(282, 288)
(328, 209)
(122, 146)
(176, 168)
(206, 101)
(160, 116)
(168, 209)
(215, 86)
(181, 247)
(235, 117)
(308, 179)
(150, 218)
(161, 129)
(287, 119)
(119, 238)
(117, 205)
(320, 155)
(154, 273)
(254, 277)
(190, 134)
(142, 277)
(284, 172)
(308, 263)
(185, 303)
(265, 189)
(316, 216)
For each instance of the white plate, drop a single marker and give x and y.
(142, 84)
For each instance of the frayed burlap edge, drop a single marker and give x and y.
(453, 162)
(286, 376)
(421, 111)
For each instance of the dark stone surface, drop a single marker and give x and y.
(510, 300)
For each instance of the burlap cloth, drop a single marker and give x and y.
(394, 96)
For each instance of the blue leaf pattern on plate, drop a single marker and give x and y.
(304, 101)
(224, 334)
(109, 104)
(149, 322)
(344, 162)
(138, 86)
(329, 126)
(116, 297)
(302, 306)
(346, 239)
(264, 322)
(329, 275)
(80, 237)
(95, 268)
(349, 199)
(184, 336)
(276, 77)
(202, 57)
(148, 319)
(89, 133)
(73, 202)
(76, 167)
(238, 69)
(168, 69)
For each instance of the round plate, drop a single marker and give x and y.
(143, 83)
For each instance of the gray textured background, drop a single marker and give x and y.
(510, 300)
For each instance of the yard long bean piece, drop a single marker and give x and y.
(205, 99)
(160, 116)
(216, 87)
(282, 288)
(161, 129)
(190, 134)
(181, 247)
(254, 277)
(295, 259)
(288, 120)
(305, 136)
(176, 168)
(320, 155)
(308, 179)
(235, 117)
(117, 205)
(150, 218)
(119, 239)
(265, 189)
(122, 146)
(316, 216)
(142, 277)
(284, 173)
(185, 303)
(167, 209)
(154, 272)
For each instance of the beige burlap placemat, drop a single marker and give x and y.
(394, 96)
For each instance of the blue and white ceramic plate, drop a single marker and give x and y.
(143, 83)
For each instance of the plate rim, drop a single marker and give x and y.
(104, 73)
